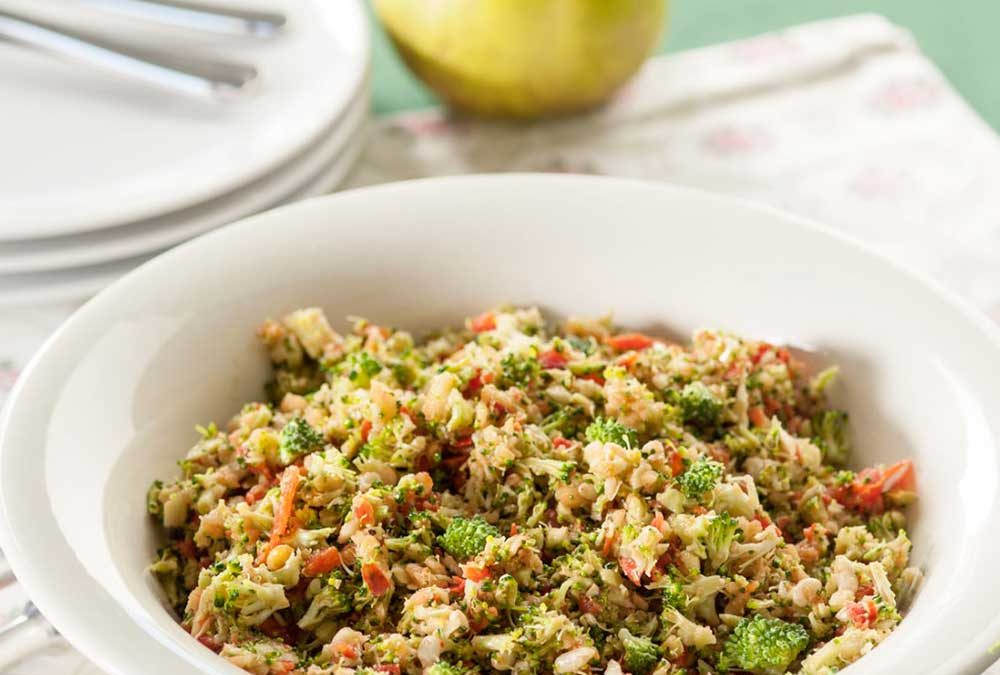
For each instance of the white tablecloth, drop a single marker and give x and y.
(845, 121)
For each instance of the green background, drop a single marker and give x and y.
(961, 36)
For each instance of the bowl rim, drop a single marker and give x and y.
(974, 658)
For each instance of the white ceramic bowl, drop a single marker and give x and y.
(110, 402)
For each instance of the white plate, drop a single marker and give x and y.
(128, 241)
(109, 402)
(84, 150)
(80, 283)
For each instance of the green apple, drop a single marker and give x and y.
(523, 58)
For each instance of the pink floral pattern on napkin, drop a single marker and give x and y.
(907, 94)
(730, 140)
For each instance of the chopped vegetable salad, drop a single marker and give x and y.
(522, 498)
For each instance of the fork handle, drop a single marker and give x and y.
(22, 635)
(24, 617)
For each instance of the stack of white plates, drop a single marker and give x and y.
(99, 173)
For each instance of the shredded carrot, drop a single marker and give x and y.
(326, 560)
(757, 417)
(627, 341)
(609, 544)
(364, 512)
(473, 573)
(552, 359)
(482, 323)
(290, 481)
(676, 463)
(375, 579)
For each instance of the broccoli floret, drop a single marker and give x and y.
(517, 371)
(407, 487)
(698, 406)
(844, 477)
(762, 645)
(556, 469)
(298, 438)
(362, 368)
(335, 598)
(823, 380)
(506, 592)
(674, 595)
(607, 430)
(153, 505)
(700, 478)
(443, 668)
(886, 526)
(885, 611)
(565, 421)
(586, 345)
(830, 435)
(641, 655)
(466, 537)
(721, 532)
(419, 519)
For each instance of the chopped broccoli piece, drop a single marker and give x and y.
(556, 469)
(566, 421)
(742, 442)
(506, 592)
(443, 668)
(467, 537)
(153, 505)
(335, 598)
(700, 477)
(517, 371)
(721, 532)
(419, 518)
(674, 595)
(586, 345)
(698, 406)
(886, 526)
(762, 645)
(407, 487)
(822, 380)
(607, 430)
(362, 368)
(641, 655)
(830, 435)
(298, 438)
(844, 477)
(885, 610)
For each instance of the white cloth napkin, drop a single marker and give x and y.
(845, 121)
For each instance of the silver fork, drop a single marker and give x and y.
(212, 79)
(13, 645)
(194, 14)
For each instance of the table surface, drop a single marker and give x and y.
(959, 36)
